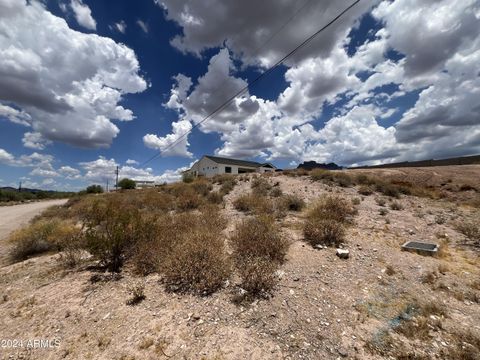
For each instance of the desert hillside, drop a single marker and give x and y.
(252, 267)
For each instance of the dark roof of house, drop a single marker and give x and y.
(227, 161)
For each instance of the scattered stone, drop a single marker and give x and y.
(342, 351)
(343, 254)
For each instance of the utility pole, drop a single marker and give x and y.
(107, 185)
(116, 182)
(20, 187)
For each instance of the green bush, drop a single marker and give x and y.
(94, 189)
(127, 184)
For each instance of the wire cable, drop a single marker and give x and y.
(258, 78)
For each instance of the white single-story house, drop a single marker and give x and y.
(209, 166)
(141, 184)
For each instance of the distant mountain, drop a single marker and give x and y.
(310, 165)
(464, 160)
(27, 190)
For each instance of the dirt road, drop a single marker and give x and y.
(13, 217)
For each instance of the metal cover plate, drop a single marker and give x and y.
(420, 247)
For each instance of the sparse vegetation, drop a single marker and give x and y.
(137, 293)
(326, 221)
(40, 237)
(258, 250)
(395, 205)
(471, 231)
(293, 202)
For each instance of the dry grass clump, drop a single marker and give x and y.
(220, 179)
(325, 232)
(418, 320)
(326, 220)
(276, 192)
(333, 208)
(466, 346)
(258, 250)
(228, 185)
(186, 248)
(137, 293)
(292, 202)
(260, 186)
(332, 177)
(215, 197)
(256, 204)
(395, 205)
(41, 236)
(387, 189)
(197, 264)
(365, 190)
(471, 231)
(245, 202)
(295, 172)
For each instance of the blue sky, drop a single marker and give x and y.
(89, 85)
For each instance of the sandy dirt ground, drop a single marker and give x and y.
(323, 307)
(15, 216)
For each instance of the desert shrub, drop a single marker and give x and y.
(228, 185)
(39, 237)
(380, 201)
(466, 346)
(321, 174)
(259, 237)
(293, 202)
(153, 200)
(387, 189)
(201, 187)
(188, 177)
(110, 228)
(390, 270)
(186, 248)
(471, 231)
(137, 293)
(220, 179)
(188, 199)
(276, 192)
(333, 208)
(383, 212)
(356, 201)
(260, 186)
(258, 275)
(363, 179)
(258, 250)
(261, 205)
(395, 205)
(325, 224)
(53, 212)
(215, 197)
(417, 320)
(326, 232)
(198, 263)
(467, 187)
(245, 202)
(365, 190)
(343, 180)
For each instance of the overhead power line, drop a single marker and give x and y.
(258, 78)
